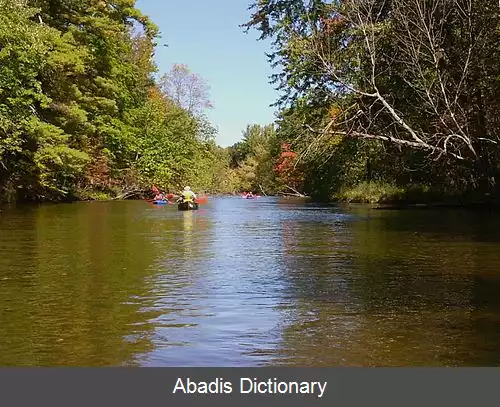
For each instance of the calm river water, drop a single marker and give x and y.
(247, 283)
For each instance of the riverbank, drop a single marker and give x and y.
(100, 195)
(377, 195)
(414, 196)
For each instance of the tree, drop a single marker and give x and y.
(285, 168)
(252, 159)
(417, 74)
(36, 157)
(186, 89)
(81, 115)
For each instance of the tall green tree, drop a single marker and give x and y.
(253, 159)
(81, 115)
(37, 157)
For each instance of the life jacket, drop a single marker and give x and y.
(187, 196)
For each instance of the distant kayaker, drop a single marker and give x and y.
(188, 195)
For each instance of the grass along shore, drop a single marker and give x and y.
(412, 195)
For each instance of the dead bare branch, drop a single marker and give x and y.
(419, 28)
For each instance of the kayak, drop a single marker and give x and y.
(188, 206)
(160, 202)
(202, 199)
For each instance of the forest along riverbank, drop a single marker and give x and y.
(82, 122)
(247, 283)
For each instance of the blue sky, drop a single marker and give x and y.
(206, 36)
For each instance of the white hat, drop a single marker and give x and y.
(187, 188)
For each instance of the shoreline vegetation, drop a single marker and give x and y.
(373, 196)
(364, 117)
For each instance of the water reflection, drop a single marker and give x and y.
(248, 283)
(390, 296)
(224, 316)
(66, 278)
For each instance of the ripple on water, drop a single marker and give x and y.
(248, 283)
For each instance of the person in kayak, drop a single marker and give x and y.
(160, 196)
(187, 195)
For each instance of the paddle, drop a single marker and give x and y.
(201, 199)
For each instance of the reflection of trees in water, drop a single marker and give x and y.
(423, 284)
(179, 271)
(317, 266)
(486, 317)
(396, 297)
(190, 239)
(70, 296)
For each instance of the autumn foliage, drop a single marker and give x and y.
(287, 169)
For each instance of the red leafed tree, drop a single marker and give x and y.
(286, 169)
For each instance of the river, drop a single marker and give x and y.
(265, 282)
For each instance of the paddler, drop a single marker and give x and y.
(187, 195)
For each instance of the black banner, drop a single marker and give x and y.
(259, 387)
